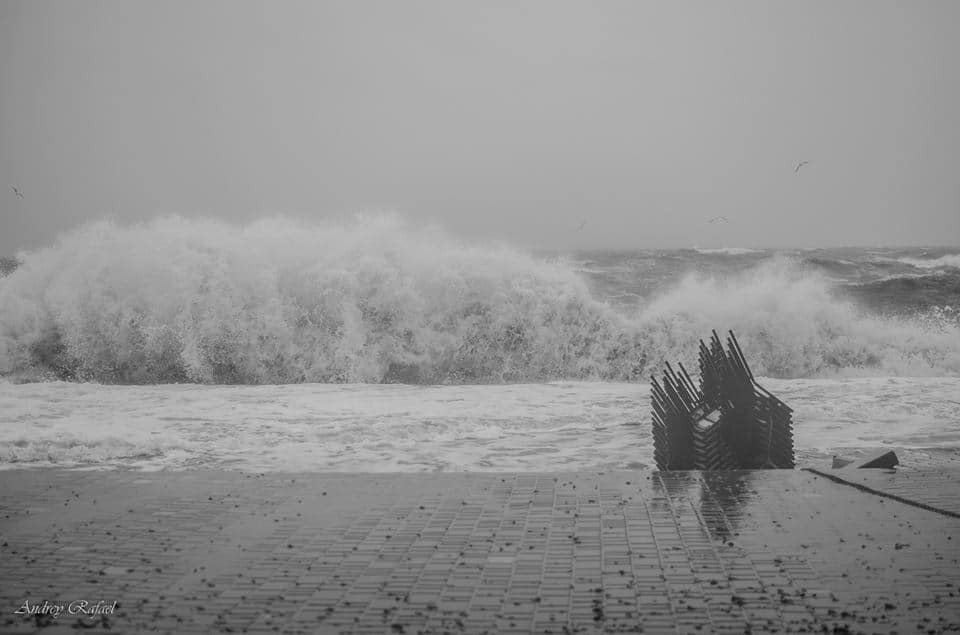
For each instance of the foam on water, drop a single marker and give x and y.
(374, 300)
(559, 426)
(948, 260)
(726, 251)
(791, 325)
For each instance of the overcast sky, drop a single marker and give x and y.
(498, 120)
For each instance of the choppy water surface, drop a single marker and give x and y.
(376, 301)
(373, 345)
(365, 427)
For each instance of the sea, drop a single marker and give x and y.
(371, 344)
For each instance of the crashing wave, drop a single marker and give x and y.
(948, 260)
(374, 299)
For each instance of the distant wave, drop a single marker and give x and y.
(932, 277)
(907, 293)
(375, 300)
(726, 251)
(833, 265)
(949, 260)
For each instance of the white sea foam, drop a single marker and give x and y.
(561, 426)
(948, 260)
(727, 251)
(791, 325)
(375, 300)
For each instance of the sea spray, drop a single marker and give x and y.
(374, 299)
(792, 325)
(277, 301)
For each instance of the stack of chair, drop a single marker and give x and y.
(728, 422)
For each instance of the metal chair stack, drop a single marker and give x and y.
(728, 422)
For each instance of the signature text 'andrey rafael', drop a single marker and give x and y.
(77, 607)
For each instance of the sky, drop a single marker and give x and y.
(515, 121)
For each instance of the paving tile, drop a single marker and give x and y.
(678, 552)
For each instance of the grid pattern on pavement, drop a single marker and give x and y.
(501, 553)
(936, 489)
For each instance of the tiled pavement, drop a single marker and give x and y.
(190, 552)
(938, 489)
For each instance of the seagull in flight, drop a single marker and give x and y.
(800, 165)
(17, 191)
(716, 219)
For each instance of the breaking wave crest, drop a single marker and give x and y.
(948, 260)
(726, 251)
(374, 299)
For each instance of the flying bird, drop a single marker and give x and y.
(716, 219)
(800, 165)
(16, 191)
(582, 224)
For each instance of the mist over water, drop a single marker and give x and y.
(376, 300)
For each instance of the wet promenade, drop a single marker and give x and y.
(215, 551)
